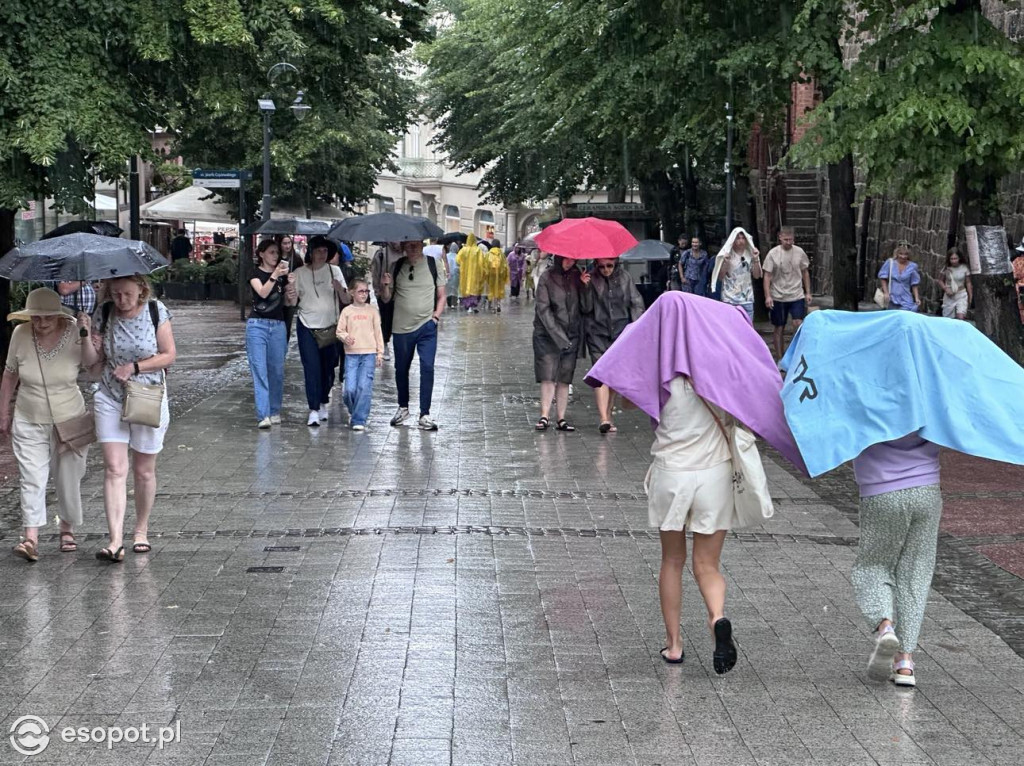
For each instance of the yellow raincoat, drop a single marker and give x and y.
(471, 268)
(497, 274)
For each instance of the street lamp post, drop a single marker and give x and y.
(267, 108)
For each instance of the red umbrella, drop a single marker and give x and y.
(585, 238)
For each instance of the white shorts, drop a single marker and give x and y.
(954, 305)
(699, 500)
(110, 428)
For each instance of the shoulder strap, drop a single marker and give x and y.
(718, 420)
(105, 315)
(154, 314)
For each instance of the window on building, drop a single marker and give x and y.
(385, 205)
(452, 218)
(414, 208)
(483, 224)
(414, 141)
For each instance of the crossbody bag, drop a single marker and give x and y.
(880, 293)
(143, 402)
(73, 435)
(751, 497)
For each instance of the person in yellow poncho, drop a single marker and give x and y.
(471, 274)
(497, 276)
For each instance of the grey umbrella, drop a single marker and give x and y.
(385, 227)
(647, 250)
(75, 257)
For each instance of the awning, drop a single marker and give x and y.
(193, 203)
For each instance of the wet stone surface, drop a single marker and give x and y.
(480, 595)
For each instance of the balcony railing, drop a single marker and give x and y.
(416, 167)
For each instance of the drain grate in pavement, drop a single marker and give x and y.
(536, 494)
(495, 531)
(264, 570)
(283, 548)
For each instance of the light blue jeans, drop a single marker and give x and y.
(359, 371)
(266, 343)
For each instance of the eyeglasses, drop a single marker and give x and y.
(606, 266)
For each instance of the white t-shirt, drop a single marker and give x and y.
(687, 437)
(786, 268)
(318, 303)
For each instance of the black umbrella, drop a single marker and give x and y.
(75, 257)
(303, 226)
(647, 250)
(452, 236)
(385, 227)
(104, 228)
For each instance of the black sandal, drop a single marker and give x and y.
(564, 425)
(114, 557)
(724, 657)
(542, 424)
(141, 547)
(669, 660)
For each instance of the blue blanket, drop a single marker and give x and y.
(854, 380)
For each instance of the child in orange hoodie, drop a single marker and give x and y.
(359, 329)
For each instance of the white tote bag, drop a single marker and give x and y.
(750, 492)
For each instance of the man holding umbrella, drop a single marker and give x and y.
(417, 292)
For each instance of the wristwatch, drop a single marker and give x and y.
(136, 366)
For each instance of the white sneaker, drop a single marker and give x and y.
(426, 424)
(886, 645)
(323, 414)
(264, 424)
(358, 428)
(387, 353)
(400, 416)
(275, 420)
(314, 418)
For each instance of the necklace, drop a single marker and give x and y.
(50, 355)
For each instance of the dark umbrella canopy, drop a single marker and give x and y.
(302, 226)
(76, 257)
(452, 236)
(104, 228)
(647, 250)
(385, 227)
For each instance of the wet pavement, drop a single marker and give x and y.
(480, 595)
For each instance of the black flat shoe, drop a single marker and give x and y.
(671, 661)
(724, 657)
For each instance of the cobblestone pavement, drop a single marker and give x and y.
(481, 595)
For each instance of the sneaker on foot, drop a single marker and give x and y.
(400, 416)
(264, 424)
(275, 420)
(323, 414)
(358, 427)
(314, 418)
(426, 424)
(387, 353)
(886, 644)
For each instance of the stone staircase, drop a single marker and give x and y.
(803, 201)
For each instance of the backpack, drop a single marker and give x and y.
(431, 264)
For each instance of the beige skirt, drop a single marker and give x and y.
(697, 500)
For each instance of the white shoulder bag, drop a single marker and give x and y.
(750, 492)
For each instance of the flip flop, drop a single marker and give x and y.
(542, 424)
(724, 657)
(607, 428)
(114, 557)
(67, 543)
(141, 547)
(671, 661)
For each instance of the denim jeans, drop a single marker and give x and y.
(317, 367)
(424, 343)
(359, 371)
(266, 344)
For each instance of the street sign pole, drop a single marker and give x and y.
(231, 179)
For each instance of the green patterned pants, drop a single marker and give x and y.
(899, 532)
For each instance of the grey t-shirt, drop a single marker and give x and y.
(414, 298)
(133, 340)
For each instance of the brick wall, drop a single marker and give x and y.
(804, 96)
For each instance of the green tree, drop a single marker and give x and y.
(932, 104)
(549, 98)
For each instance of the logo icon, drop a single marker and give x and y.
(810, 389)
(30, 735)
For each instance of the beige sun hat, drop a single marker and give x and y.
(41, 302)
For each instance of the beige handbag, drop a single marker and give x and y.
(143, 402)
(72, 435)
(752, 499)
(880, 293)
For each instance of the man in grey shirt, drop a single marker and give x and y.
(418, 294)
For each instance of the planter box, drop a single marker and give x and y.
(185, 291)
(222, 292)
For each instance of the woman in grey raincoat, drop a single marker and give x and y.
(558, 335)
(615, 302)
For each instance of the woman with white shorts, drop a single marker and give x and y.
(689, 487)
(133, 335)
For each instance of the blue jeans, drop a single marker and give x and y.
(424, 343)
(266, 343)
(317, 367)
(359, 370)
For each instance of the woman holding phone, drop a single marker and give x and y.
(266, 339)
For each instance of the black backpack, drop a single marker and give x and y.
(431, 264)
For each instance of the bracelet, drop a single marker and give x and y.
(136, 365)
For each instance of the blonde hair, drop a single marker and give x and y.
(145, 288)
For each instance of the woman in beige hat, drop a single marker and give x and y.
(43, 361)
